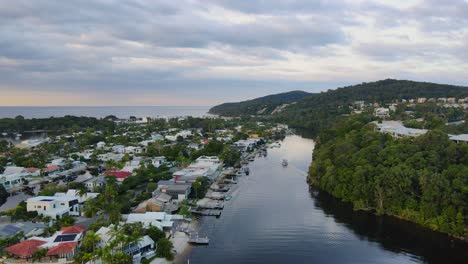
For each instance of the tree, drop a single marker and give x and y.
(155, 233)
(164, 249)
(90, 242)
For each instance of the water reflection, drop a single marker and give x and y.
(393, 234)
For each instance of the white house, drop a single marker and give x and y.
(54, 206)
(13, 177)
(75, 194)
(145, 247)
(382, 112)
(160, 220)
(158, 161)
(133, 150)
(95, 182)
(100, 144)
(119, 149)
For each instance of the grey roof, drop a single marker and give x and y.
(7, 230)
(462, 137)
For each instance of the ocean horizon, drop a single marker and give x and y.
(103, 111)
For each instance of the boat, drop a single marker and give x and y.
(284, 162)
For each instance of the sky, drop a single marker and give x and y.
(150, 52)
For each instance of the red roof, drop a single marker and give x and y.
(118, 174)
(31, 169)
(52, 168)
(62, 248)
(25, 249)
(73, 229)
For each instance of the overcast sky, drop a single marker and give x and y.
(149, 52)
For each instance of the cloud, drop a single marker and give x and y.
(118, 52)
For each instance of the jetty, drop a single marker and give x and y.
(199, 240)
(206, 212)
(206, 203)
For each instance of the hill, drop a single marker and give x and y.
(315, 111)
(261, 105)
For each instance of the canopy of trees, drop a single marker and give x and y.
(423, 179)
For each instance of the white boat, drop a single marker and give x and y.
(284, 162)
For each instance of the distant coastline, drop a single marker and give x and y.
(102, 111)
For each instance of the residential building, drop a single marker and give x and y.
(120, 176)
(177, 191)
(382, 112)
(160, 220)
(95, 182)
(143, 248)
(54, 206)
(398, 130)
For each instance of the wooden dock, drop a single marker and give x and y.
(199, 240)
(206, 212)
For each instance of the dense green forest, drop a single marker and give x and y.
(317, 111)
(259, 105)
(64, 124)
(421, 179)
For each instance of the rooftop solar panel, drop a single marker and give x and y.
(65, 238)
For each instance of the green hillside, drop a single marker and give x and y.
(261, 105)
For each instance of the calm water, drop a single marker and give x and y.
(274, 218)
(102, 111)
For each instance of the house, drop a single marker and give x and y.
(111, 156)
(398, 130)
(51, 169)
(29, 229)
(158, 161)
(74, 193)
(33, 171)
(25, 249)
(177, 191)
(421, 100)
(13, 177)
(156, 136)
(133, 150)
(451, 100)
(131, 165)
(194, 146)
(143, 248)
(95, 182)
(160, 203)
(118, 149)
(382, 112)
(463, 138)
(120, 176)
(54, 206)
(63, 244)
(100, 145)
(160, 220)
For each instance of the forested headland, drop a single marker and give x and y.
(423, 179)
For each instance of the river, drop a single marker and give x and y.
(274, 217)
